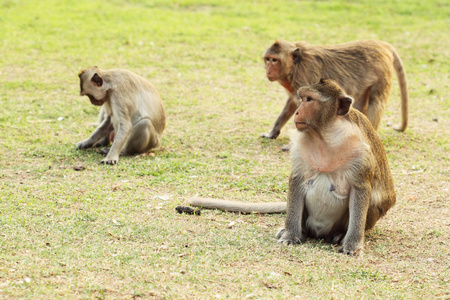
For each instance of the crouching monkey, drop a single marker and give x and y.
(340, 183)
(132, 114)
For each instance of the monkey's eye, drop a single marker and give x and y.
(308, 99)
(274, 60)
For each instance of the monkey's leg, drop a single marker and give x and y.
(358, 206)
(143, 137)
(287, 112)
(362, 103)
(292, 233)
(378, 97)
(102, 131)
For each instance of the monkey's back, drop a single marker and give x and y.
(354, 65)
(145, 95)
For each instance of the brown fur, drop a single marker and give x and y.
(339, 159)
(364, 69)
(132, 114)
(340, 183)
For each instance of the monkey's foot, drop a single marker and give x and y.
(351, 249)
(286, 237)
(109, 161)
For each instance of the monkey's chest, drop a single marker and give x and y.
(327, 197)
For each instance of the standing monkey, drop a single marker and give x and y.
(132, 114)
(364, 69)
(340, 184)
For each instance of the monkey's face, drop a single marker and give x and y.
(306, 112)
(320, 104)
(91, 85)
(278, 60)
(273, 67)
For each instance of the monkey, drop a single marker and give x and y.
(364, 69)
(340, 183)
(132, 114)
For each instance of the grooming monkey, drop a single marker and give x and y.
(340, 184)
(132, 114)
(364, 69)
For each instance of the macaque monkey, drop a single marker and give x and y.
(132, 114)
(340, 184)
(364, 69)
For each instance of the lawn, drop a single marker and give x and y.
(71, 227)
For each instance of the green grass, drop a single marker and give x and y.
(102, 232)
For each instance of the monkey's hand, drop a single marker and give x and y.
(272, 135)
(110, 161)
(290, 238)
(351, 248)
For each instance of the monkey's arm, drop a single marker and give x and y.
(287, 112)
(120, 139)
(293, 231)
(358, 207)
(236, 206)
(100, 132)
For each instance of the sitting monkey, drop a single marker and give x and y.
(340, 184)
(132, 114)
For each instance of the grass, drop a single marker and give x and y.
(104, 232)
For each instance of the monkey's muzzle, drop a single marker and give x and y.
(301, 126)
(95, 101)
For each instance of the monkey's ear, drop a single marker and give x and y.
(344, 104)
(296, 56)
(97, 80)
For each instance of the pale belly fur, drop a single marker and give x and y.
(327, 198)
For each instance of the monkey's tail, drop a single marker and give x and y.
(236, 206)
(401, 76)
